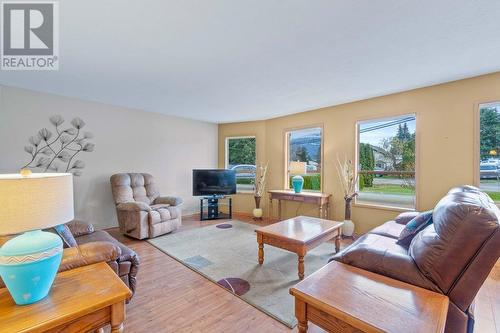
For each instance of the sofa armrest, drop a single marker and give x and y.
(133, 206)
(89, 253)
(80, 228)
(172, 201)
(405, 217)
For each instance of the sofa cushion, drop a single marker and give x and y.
(389, 229)
(380, 254)
(159, 214)
(412, 228)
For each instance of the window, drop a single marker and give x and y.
(240, 156)
(304, 145)
(489, 141)
(386, 162)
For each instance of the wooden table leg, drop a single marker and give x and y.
(320, 211)
(301, 314)
(261, 249)
(337, 240)
(279, 209)
(270, 208)
(117, 317)
(301, 265)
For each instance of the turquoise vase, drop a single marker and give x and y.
(297, 183)
(29, 264)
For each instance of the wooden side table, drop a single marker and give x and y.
(322, 200)
(342, 298)
(81, 300)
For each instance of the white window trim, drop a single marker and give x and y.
(417, 158)
(226, 154)
(287, 155)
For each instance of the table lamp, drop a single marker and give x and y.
(297, 168)
(28, 203)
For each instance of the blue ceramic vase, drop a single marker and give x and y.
(297, 183)
(29, 264)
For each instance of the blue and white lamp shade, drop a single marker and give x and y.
(29, 264)
(297, 183)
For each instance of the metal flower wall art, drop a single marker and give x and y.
(57, 151)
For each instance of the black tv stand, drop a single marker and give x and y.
(210, 208)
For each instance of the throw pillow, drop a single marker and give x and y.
(67, 237)
(412, 228)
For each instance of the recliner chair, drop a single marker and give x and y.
(142, 212)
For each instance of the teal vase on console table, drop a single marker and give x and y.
(297, 183)
(30, 202)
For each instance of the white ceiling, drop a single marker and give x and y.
(238, 60)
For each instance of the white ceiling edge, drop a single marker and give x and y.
(284, 114)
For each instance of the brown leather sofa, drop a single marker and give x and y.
(452, 256)
(126, 263)
(141, 211)
(97, 246)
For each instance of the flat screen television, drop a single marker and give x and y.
(214, 182)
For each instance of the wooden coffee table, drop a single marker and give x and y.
(299, 235)
(342, 298)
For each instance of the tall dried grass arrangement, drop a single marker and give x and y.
(260, 183)
(348, 177)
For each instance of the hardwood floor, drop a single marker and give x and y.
(172, 298)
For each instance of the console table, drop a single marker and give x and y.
(342, 298)
(83, 299)
(322, 200)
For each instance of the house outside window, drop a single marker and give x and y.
(305, 145)
(386, 162)
(489, 149)
(240, 157)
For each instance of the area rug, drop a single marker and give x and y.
(227, 254)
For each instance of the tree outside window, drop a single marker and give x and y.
(386, 162)
(489, 165)
(240, 157)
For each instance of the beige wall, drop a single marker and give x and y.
(445, 142)
(126, 140)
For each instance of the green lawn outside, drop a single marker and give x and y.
(311, 182)
(489, 181)
(389, 189)
(245, 181)
(494, 195)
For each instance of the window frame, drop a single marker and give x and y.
(286, 177)
(477, 139)
(358, 122)
(226, 156)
